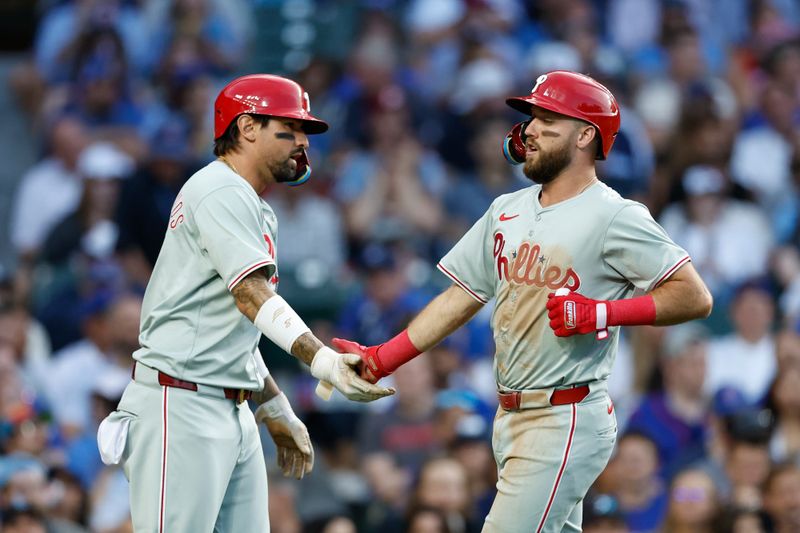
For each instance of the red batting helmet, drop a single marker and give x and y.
(264, 94)
(576, 96)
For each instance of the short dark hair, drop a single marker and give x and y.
(229, 140)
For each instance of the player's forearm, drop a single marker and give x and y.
(251, 294)
(446, 313)
(681, 298)
(305, 347)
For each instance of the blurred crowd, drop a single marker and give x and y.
(118, 95)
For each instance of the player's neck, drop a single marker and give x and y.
(568, 184)
(247, 168)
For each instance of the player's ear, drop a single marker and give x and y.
(247, 127)
(587, 136)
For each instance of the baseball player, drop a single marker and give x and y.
(183, 431)
(562, 258)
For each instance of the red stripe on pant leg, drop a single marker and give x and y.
(561, 470)
(164, 412)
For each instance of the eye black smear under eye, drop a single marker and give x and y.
(285, 136)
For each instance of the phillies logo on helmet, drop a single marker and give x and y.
(540, 80)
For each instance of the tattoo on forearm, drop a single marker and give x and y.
(251, 293)
(305, 347)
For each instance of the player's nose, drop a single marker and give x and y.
(531, 129)
(301, 138)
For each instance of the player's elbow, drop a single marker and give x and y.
(704, 302)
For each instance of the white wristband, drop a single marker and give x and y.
(278, 321)
(602, 315)
(277, 406)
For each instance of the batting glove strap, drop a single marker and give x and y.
(639, 311)
(392, 354)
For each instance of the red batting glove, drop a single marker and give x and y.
(394, 353)
(573, 314)
(372, 368)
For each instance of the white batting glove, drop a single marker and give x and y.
(341, 371)
(295, 453)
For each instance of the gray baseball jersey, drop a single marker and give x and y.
(220, 231)
(596, 243)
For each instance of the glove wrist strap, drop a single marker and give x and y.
(640, 311)
(396, 352)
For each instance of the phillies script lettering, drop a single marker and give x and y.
(525, 268)
(176, 215)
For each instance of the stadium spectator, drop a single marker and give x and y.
(676, 417)
(745, 359)
(407, 430)
(693, 503)
(601, 514)
(634, 481)
(782, 497)
(443, 485)
(90, 228)
(50, 190)
(704, 223)
(146, 200)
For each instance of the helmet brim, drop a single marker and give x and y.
(520, 103)
(314, 126)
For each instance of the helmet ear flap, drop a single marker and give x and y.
(514, 144)
(303, 170)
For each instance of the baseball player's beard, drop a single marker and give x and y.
(548, 166)
(283, 172)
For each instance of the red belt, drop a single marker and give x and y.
(512, 400)
(240, 395)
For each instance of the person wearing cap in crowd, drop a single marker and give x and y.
(676, 416)
(146, 199)
(738, 449)
(601, 514)
(183, 432)
(386, 300)
(703, 225)
(90, 229)
(49, 190)
(110, 327)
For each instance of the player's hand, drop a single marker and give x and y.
(372, 368)
(295, 453)
(342, 371)
(575, 314)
